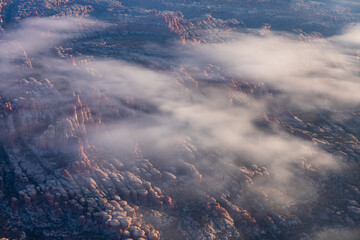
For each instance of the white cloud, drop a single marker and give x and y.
(307, 72)
(313, 72)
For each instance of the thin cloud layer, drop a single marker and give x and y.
(211, 125)
(310, 72)
(35, 35)
(197, 124)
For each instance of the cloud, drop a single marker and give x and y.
(350, 36)
(202, 127)
(338, 233)
(32, 41)
(309, 72)
(36, 35)
(179, 116)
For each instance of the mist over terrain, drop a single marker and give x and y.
(152, 120)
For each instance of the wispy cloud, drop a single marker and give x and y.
(177, 121)
(310, 72)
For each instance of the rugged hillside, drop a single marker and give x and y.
(121, 120)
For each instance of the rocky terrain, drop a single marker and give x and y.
(116, 122)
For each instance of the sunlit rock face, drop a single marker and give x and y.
(179, 120)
